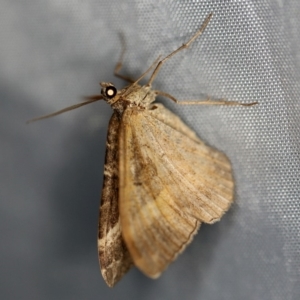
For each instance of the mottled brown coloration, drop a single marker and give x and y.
(160, 180)
(114, 257)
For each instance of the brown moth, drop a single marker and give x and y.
(160, 180)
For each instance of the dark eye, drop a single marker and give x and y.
(110, 92)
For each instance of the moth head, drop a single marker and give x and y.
(108, 90)
(108, 93)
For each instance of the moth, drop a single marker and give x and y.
(161, 181)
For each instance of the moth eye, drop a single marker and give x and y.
(110, 92)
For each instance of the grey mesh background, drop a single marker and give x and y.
(52, 52)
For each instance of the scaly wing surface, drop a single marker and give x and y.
(170, 182)
(114, 257)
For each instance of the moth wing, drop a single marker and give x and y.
(170, 182)
(114, 257)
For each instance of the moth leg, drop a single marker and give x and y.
(128, 90)
(207, 101)
(119, 64)
(183, 46)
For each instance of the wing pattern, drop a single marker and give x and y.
(114, 257)
(170, 182)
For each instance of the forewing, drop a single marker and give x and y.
(170, 182)
(114, 257)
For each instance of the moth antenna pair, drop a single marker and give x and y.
(94, 98)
